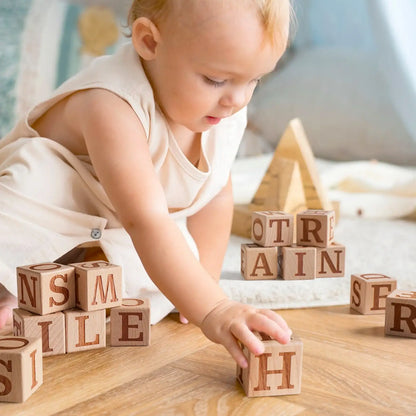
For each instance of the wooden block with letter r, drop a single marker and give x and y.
(369, 292)
(276, 372)
(98, 284)
(45, 288)
(259, 263)
(401, 314)
(21, 368)
(315, 228)
(130, 323)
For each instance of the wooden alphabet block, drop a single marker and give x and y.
(369, 292)
(277, 372)
(130, 323)
(401, 314)
(259, 263)
(298, 263)
(330, 261)
(45, 288)
(315, 228)
(98, 285)
(21, 368)
(50, 328)
(85, 330)
(272, 228)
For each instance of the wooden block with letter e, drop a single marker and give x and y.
(330, 261)
(98, 285)
(45, 288)
(369, 292)
(259, 263)
(21, 368)
(50, 328)
(272, 228)
(130, 323)
(276, 372)
(298, 263)
(84, 330)
(315, 228)
(401, 314)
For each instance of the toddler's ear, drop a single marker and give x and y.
(145, 37)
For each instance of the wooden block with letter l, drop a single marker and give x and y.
(315, 228)
(369, 292)
(298, 263)
(21, 368)
(401, 314)
(50, 328)
(84, 330)
(130, 323)
(272, 228)
(98, 285)
(45, 288)
(330, 261)
(259, 263)
(276, 372)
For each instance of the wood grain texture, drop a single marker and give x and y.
(349, 368)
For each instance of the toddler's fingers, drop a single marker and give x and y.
(243, 333)
(275, 317)
(234, 349)
(262, 323)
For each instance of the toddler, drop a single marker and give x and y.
(133, 156)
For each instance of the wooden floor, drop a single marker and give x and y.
(350, 368)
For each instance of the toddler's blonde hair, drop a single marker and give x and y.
(276, 15)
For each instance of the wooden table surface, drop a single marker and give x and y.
(350, 368)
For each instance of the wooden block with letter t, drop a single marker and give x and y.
(259, 263)
(276, 372)
(45, 288)
(130, 323)
(98, 285)
(85, 330)
(272, 228)
(315, 228)
(369, 292)
(21, 368)
(51, 328)
(401, 314)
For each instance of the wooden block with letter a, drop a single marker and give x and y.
(276, 372)
(259, 263)
(130, 323)
(369, 292)
(21, 368)
(98, 284)
(84, 330)
(272, 228)
(45, 288)
(298, 263)
(315, 228)
(51, 328)
(401, 314)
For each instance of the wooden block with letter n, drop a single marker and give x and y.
(21, 368)
(369, 292)
(277, 372)
(45, 288)
(272, 228)
(50, 328)
(330, 261)
(85, 330)
(130, 323)
(315, 228)
(98, 284)
(298, 263)
(259, 263)
(401, 314)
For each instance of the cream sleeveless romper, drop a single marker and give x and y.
(51, 200)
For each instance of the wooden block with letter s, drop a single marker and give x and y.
(276, 372)
(21, 368)
(401, 314)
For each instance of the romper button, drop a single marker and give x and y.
(96, 233)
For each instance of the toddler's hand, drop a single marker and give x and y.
(230, 322)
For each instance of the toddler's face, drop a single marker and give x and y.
(208, 65)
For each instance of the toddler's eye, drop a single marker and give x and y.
(214, 82)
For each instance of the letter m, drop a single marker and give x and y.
(99, 288)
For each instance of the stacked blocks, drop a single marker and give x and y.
(273, 253)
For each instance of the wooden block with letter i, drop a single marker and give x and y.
(45, 288)
(369, 292)
(315, 228)
(298, 263)
(98, 285)
(130, 323)
(259, 263)
(51, 328)
(85, 330)
(401, 314)
(276, 372)
(272, 228)
(21, 368)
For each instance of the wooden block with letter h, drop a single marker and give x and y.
(401, 314)
(276, 372)
(21, 368)
(130, 323)
(369, 292)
